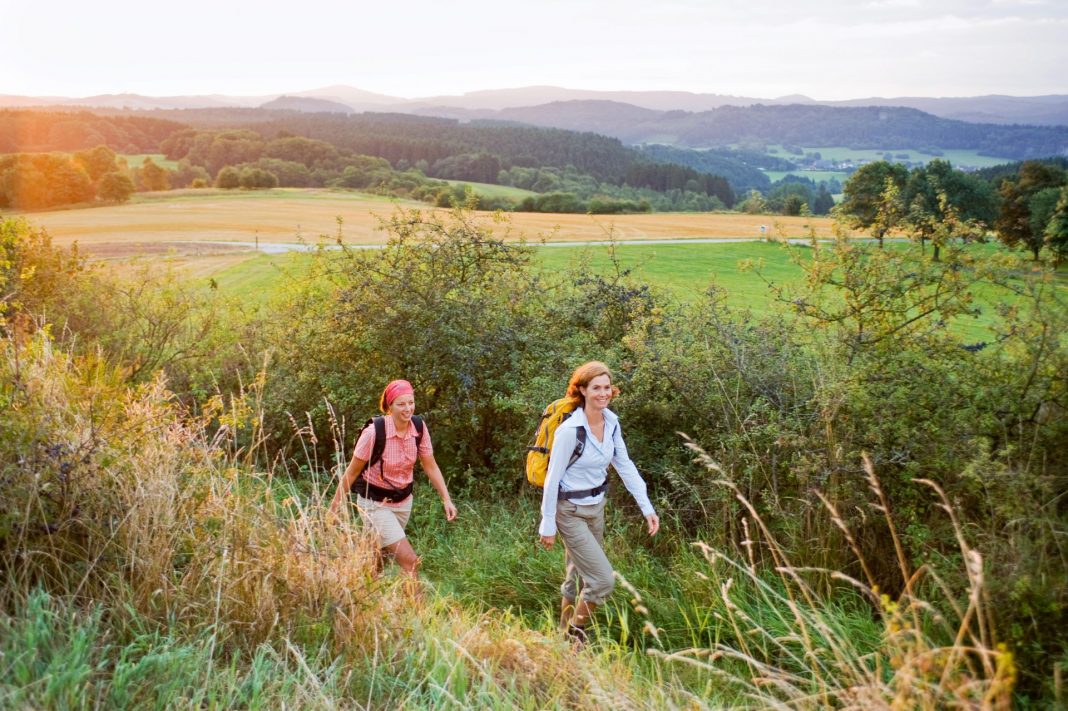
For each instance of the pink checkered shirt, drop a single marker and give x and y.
(396, 468)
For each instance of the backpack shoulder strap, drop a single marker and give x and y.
(418, 422)
(580, 444)
(379, 423)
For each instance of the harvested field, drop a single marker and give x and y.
(287, 215)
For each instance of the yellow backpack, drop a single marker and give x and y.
(538, 452)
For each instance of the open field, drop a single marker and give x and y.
(136, 159)
(958, 158)
(190, 230)
(495, 191)
(815, 175)
(288, 215)
(684, 271)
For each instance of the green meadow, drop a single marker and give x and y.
(489, 190)
(745, 271)
(957, 157)
(136, 159)
(815, 175)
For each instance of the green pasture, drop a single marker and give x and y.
(682, 272)
(259, 278)
(134, 160)
(959, 158)
(489, 190)
(817, 176)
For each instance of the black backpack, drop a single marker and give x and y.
(377, 493)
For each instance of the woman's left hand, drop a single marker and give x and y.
(654, 523)
(450, 511)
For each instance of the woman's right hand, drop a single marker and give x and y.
(548, 542)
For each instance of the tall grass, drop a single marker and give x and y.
(786, 648)
(148, 562)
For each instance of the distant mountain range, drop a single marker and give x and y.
(1049, 110)
(869, 127)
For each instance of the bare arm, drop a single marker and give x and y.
(433, 472)
(345, 484)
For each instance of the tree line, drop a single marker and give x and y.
(484, 151)
(415, 157)
(35, 181)
(25, 131)
(1027, 207)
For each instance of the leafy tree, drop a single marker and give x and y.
(151, 176)
(823, 201)
(793, 205)
(186, 174)
(115, 187)
(228, 179)
(97, 162)
(936, 190)
(788, 195)
(1042, 205)
(464, 328)
(68, 183)
(1057, 228)
(306, 151)
(754, 203)
(257, 179)
(1014, 223)
(864, 202)
(290, 174)
(32, 181)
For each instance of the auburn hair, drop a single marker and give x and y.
(581, 378)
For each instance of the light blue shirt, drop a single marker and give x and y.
(590, 469)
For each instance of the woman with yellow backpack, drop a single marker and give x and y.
(584, 443)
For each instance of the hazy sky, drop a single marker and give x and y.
(827, 49)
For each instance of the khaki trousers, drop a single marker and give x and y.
(582, 530)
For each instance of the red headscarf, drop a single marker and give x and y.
(394, 390)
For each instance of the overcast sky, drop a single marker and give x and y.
(826, 49)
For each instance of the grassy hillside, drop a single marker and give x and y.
(858, 514)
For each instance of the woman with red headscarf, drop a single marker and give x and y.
(391, 444)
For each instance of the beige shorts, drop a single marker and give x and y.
(387, 522)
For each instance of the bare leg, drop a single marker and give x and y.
(567, 610)
(583, 612)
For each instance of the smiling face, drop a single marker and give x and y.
(402, 409)
(598, 392)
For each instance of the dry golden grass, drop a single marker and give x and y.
(283, 215)
(935, 652)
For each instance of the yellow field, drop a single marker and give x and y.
(287, 214)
